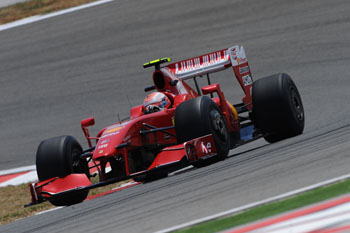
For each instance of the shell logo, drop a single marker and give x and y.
(114, 129)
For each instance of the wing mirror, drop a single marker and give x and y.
(87, 122)
(84, 126)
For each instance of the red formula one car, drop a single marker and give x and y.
(176, 126)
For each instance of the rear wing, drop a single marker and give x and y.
(234, 57)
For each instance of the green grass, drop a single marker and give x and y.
(267, 210)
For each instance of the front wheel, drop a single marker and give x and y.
(59, 157)
(277, 107)
(199, 117)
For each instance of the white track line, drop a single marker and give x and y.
(25, 178)
(254, 204)
(46, 16)
(18, 170)
(53, 209)
(28, 177)
(180, 170)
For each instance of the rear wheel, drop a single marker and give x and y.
(199, 117)
(59, 157)
(277, 107)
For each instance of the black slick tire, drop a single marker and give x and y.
(277, 107)
(199, 117)
(59, 157)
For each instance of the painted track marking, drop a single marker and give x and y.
(252, 205)
(308, 219)
(37, 18)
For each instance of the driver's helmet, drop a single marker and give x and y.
(155, 102)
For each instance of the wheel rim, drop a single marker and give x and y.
(297, 105)
(219, 125)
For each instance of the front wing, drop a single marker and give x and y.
(170, 157)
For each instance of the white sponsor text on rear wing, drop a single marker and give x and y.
(209, 63)
(234, 57)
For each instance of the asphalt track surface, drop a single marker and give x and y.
(55, 72)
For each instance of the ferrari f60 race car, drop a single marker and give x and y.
(194, 128)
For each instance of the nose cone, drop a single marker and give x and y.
(111, 137)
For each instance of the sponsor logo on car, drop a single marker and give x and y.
(206, 148)
(247, 80)
(104, 141)
(244, 69)
(200, 62)
(102, 146)
(114, 129)
(109, 134)
(237, 56)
